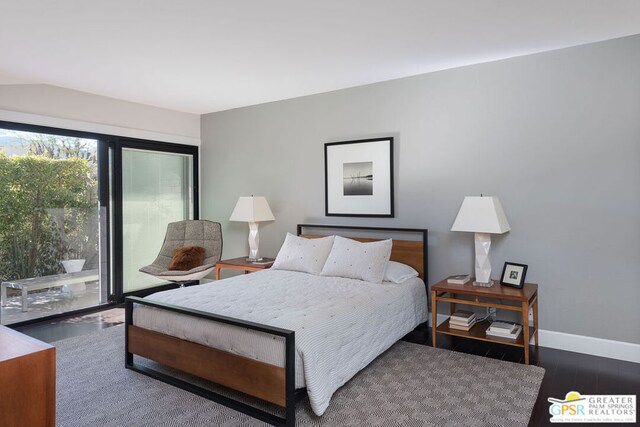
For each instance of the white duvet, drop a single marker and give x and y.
(340, 324)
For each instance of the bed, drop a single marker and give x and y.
(251, 333)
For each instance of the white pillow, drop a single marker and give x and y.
(398, 272)
(355, 260)
(302, 254)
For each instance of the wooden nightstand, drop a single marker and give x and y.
(496, 296)
(242, 264)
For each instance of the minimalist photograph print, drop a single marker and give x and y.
(513, 274)
(359, 178)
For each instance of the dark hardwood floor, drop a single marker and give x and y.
(565, 371)
(73, 326)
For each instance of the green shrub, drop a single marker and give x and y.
(46, 209)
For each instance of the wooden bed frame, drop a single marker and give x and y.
(267, 382)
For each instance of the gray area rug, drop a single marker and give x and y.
(409, 385)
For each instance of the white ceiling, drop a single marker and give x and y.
(202, 56)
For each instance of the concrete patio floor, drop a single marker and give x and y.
(49, 302)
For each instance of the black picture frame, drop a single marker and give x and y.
(521, 274)
(389, 212)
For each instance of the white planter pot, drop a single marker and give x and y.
(73, 266)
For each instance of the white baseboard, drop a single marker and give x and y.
(441, 318)
(620, 350)
(590, 345)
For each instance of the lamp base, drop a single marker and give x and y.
(483, 264)
(488, 284)
(254, 241)
(249, 259)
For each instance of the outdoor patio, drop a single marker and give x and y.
(48, 302)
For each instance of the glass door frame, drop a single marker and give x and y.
(144, 145)
(110, 197)
(103, 202)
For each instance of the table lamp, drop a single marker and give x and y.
(252, 210)
(483, 216)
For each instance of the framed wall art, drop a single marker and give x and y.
(358, 178)
(513, 274)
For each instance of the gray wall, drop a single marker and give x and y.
(555, 135)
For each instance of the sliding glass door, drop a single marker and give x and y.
(81, 213)
(52, 225)
(157, 188)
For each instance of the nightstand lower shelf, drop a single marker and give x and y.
(518, 300)
(478, 332)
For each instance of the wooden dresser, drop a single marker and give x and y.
(27, 381)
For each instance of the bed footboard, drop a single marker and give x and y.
(258, 379)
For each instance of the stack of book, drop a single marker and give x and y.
(462, 320)
(458, 279)
(506, 330)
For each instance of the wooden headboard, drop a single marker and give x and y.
(410, 252)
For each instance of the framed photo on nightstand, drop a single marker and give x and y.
(513, 274)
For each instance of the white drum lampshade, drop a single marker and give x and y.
(252, 210)
(483, 216)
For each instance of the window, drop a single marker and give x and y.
(80, 213)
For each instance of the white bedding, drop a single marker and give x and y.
(340, 324)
